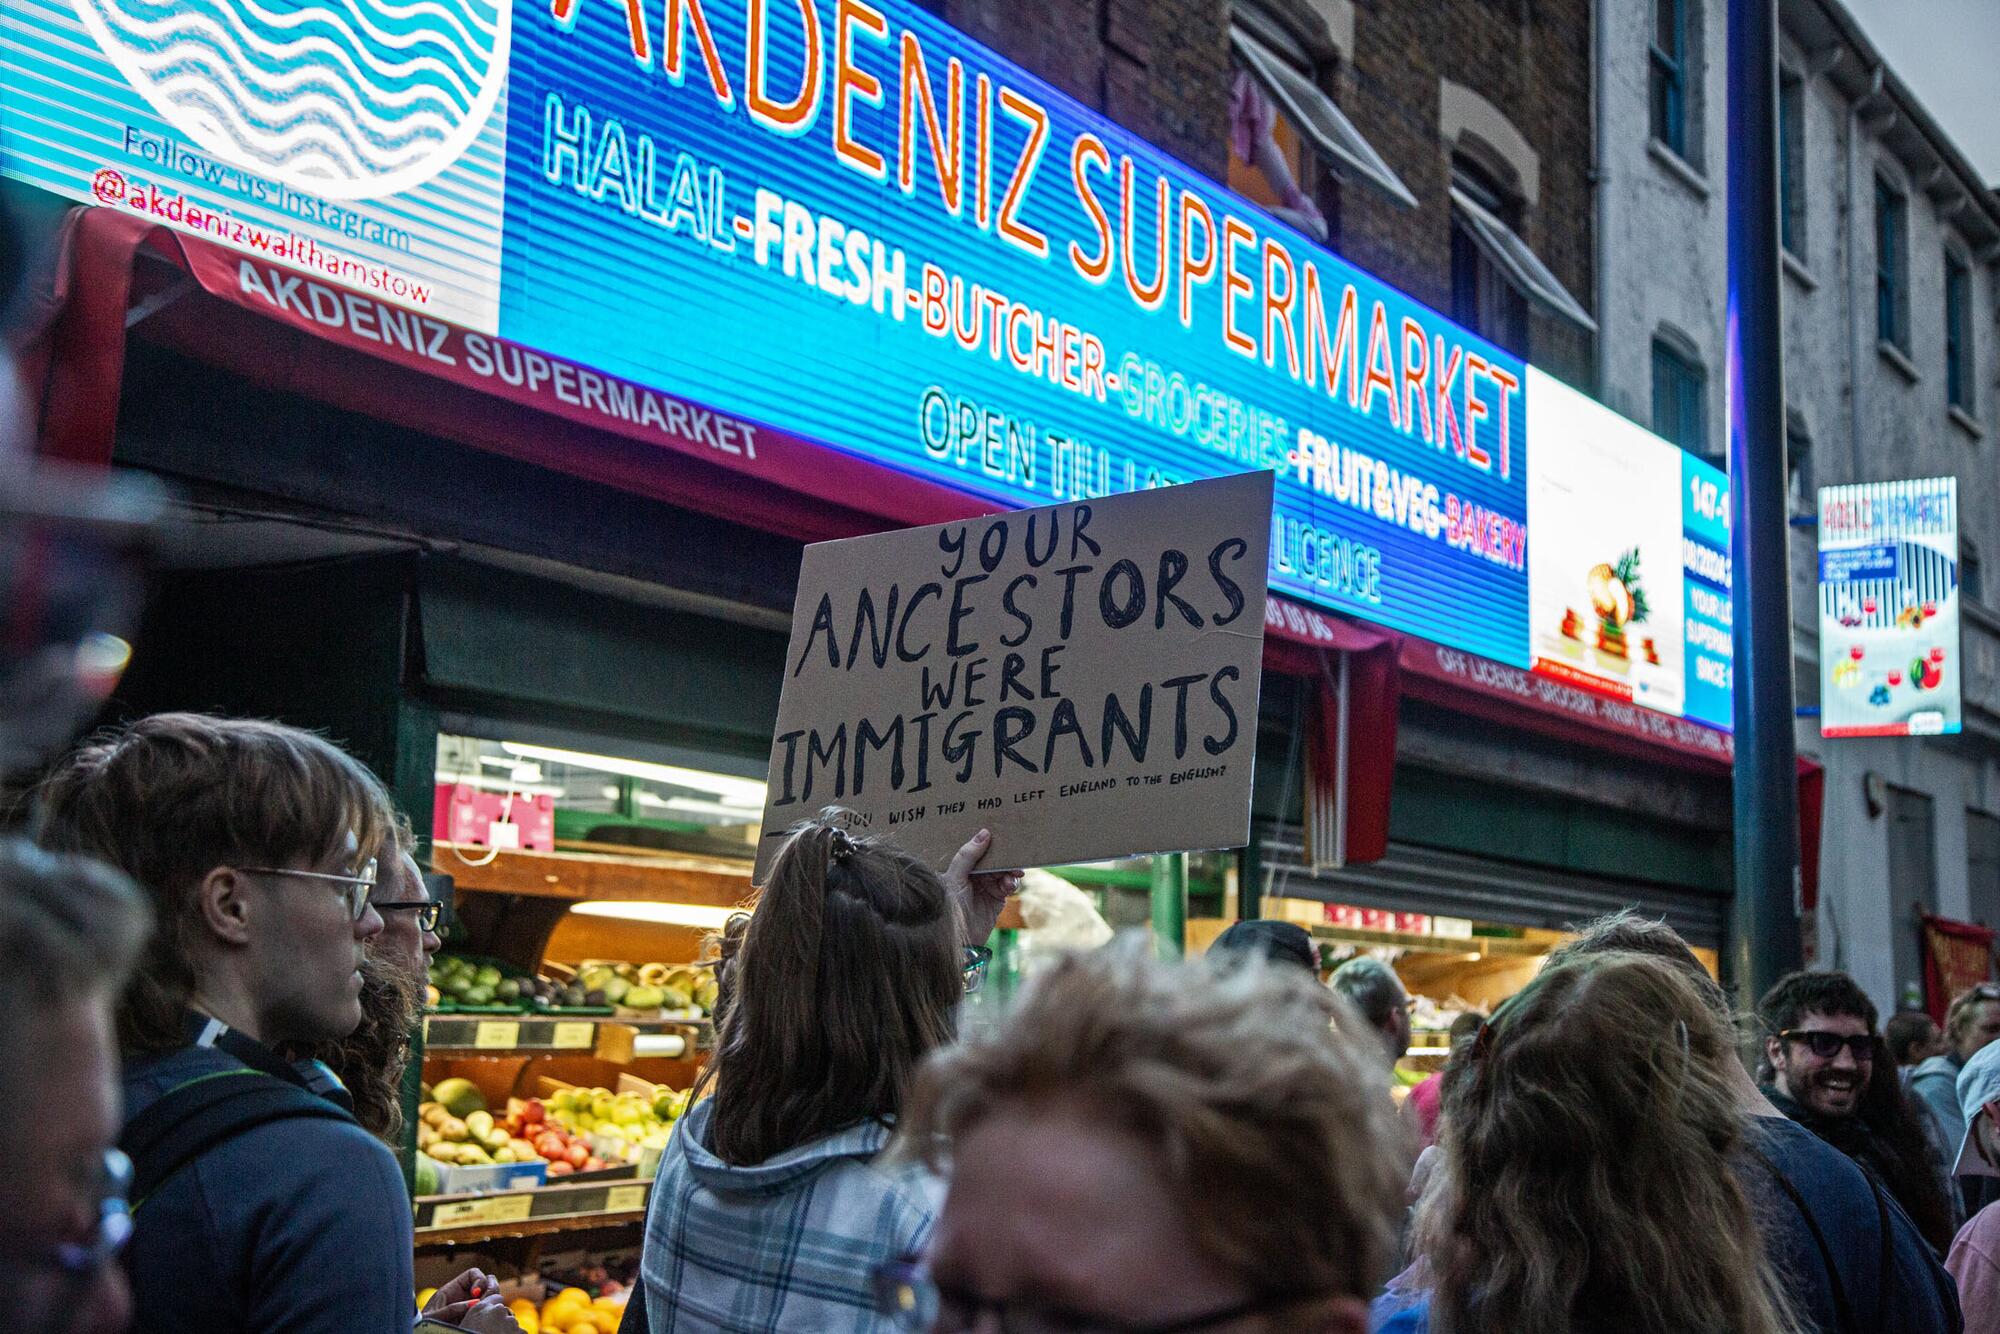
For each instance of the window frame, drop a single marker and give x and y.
(1792, 162)
(1960, 359)
(1687, 379)
(1666, 78)
(1892, 263)
(1804, 496)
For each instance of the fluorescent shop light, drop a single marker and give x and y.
(747, 793)
(659, 914)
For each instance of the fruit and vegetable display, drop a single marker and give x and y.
(455, 1127)
(575, 1130)
(681, 991)
(572, 1310)
(630, 1126)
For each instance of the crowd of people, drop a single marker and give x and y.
(213, 941)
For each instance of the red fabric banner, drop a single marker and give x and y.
(1957, 955)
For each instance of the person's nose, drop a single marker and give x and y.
(431, 944)
(368, 925)
(1844, 1059)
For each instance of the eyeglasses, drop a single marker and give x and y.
(359, 885)
(974, 967)
(427, 911)
(114, 1222)
(912, 1300)
(1826, 1046)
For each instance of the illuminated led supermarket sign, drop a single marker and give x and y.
(1888, 609)
(850, 222)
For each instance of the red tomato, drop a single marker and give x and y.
(560, 1169)
(578, 1154)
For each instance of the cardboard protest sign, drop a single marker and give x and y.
(1081, 679)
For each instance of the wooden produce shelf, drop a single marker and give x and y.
(460, 1220)
(609, 1039)
(677, 877)
(1484, 947)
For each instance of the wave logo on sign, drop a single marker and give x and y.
(347, 99)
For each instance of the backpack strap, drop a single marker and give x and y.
(206, 1112)
(1843, 1308)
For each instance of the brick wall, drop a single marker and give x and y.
(1161, 68)
(1158, 67)
(1532, 61)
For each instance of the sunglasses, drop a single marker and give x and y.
(1826, 1046)
(427, 911)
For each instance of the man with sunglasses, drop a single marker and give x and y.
(1826, 1068)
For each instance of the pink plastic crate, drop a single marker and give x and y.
(464, 814)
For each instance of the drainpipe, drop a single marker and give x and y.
(1857, 348)
(1600, 197)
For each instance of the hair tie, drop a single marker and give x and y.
(840, 848)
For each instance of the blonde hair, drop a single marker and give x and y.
(1256, 1088)
(1587, 1180)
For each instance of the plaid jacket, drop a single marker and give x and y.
(790, 1244)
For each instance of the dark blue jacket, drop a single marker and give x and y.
(300, 1226)
(1828, 1192)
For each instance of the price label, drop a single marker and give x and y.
(624, 1199)
(499, 1209)
(496, 1034)
(573, 1035)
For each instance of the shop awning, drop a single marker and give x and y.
(288, 331)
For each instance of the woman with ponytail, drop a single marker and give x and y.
(770, 1210)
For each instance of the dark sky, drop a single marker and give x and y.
(1948, 52)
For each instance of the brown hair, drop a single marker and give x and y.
(847, 976)
(1257, 1091)
(371, 1060)
(70, 928)
(175, 795)
(1586, 1182)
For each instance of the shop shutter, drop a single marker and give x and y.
(1454, 884)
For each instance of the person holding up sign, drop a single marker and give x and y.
(770, 1210)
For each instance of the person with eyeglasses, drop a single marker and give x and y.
(70, 930)
(773, 1203)
(258, 1203)
(1825, 1067)
(371, 1061)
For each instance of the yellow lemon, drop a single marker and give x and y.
(424, 1299)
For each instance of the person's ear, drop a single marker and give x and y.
(223, 900)
(1774, 1052)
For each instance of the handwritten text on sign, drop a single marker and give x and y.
(1081, 679)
